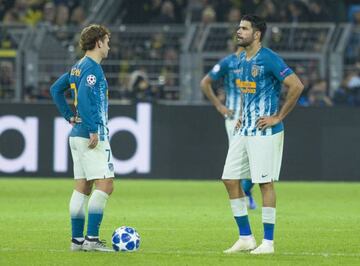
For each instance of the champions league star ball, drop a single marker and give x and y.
(125, 239)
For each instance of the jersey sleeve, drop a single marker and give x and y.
(219, 70)
(57, 93)
(278, 67)
(89, 99)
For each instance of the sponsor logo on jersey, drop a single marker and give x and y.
(246, 86)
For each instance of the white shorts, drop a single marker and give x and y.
(230, 127)
(256, 156)
(91, 164)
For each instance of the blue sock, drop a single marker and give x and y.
(96, 208)
(94, 222)
(77, 227)
(244, 225)
(77, 206)
(247, 186)
(269, 231)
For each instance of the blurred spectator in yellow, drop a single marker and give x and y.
(208, 15)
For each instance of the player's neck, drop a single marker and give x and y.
(252, 50)
(94, 56)
(239, 50)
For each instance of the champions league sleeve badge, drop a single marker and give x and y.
(216, 68)
(91, 80)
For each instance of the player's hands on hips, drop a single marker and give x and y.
(267, 121)
(238, 124)
(94, 139)
(72, 120)
(224, 111)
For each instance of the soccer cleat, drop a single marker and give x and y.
(243, 244)
(251, 203)
(266, 247)
(76, 245)
(94, 244)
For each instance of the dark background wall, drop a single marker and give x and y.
(189, 142)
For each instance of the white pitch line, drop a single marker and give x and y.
(178, 229)
(322, 254)
(180, 252)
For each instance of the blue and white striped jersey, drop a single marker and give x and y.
(227, 69)
(89, 90)
(260, 81)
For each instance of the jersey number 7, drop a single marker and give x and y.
(73, 87)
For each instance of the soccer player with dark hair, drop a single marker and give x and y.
(226, 69)
(89, 138)
(256, 150)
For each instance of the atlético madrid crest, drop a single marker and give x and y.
(255, 70)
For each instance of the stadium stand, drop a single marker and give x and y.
(166, 60)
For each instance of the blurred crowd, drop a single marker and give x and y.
(182, 11)
(73, 12)
(32, 12)
(149, 69)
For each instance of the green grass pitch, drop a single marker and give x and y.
(180, 223)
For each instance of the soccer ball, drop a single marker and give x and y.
(125, 238)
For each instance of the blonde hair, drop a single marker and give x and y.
(90, 35)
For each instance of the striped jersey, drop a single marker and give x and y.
(227, 68)
(259, 80)
(89, 90)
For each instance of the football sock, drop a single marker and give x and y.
(77, 207)
(247, 185)
(240, 213)
(268, 219)
(96, 208)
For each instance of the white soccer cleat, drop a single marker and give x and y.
(243, 244)
(266, 247)
(76, 245)
(95, 245)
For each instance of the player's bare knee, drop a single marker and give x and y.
(110, 189)
(267, 188)
(233, 188)
(231, 183)
(105, 185)
(83, 187)
(107, 189)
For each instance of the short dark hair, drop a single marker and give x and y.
(257, 23)
(91, 34)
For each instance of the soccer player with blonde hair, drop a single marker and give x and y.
(89, 137)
